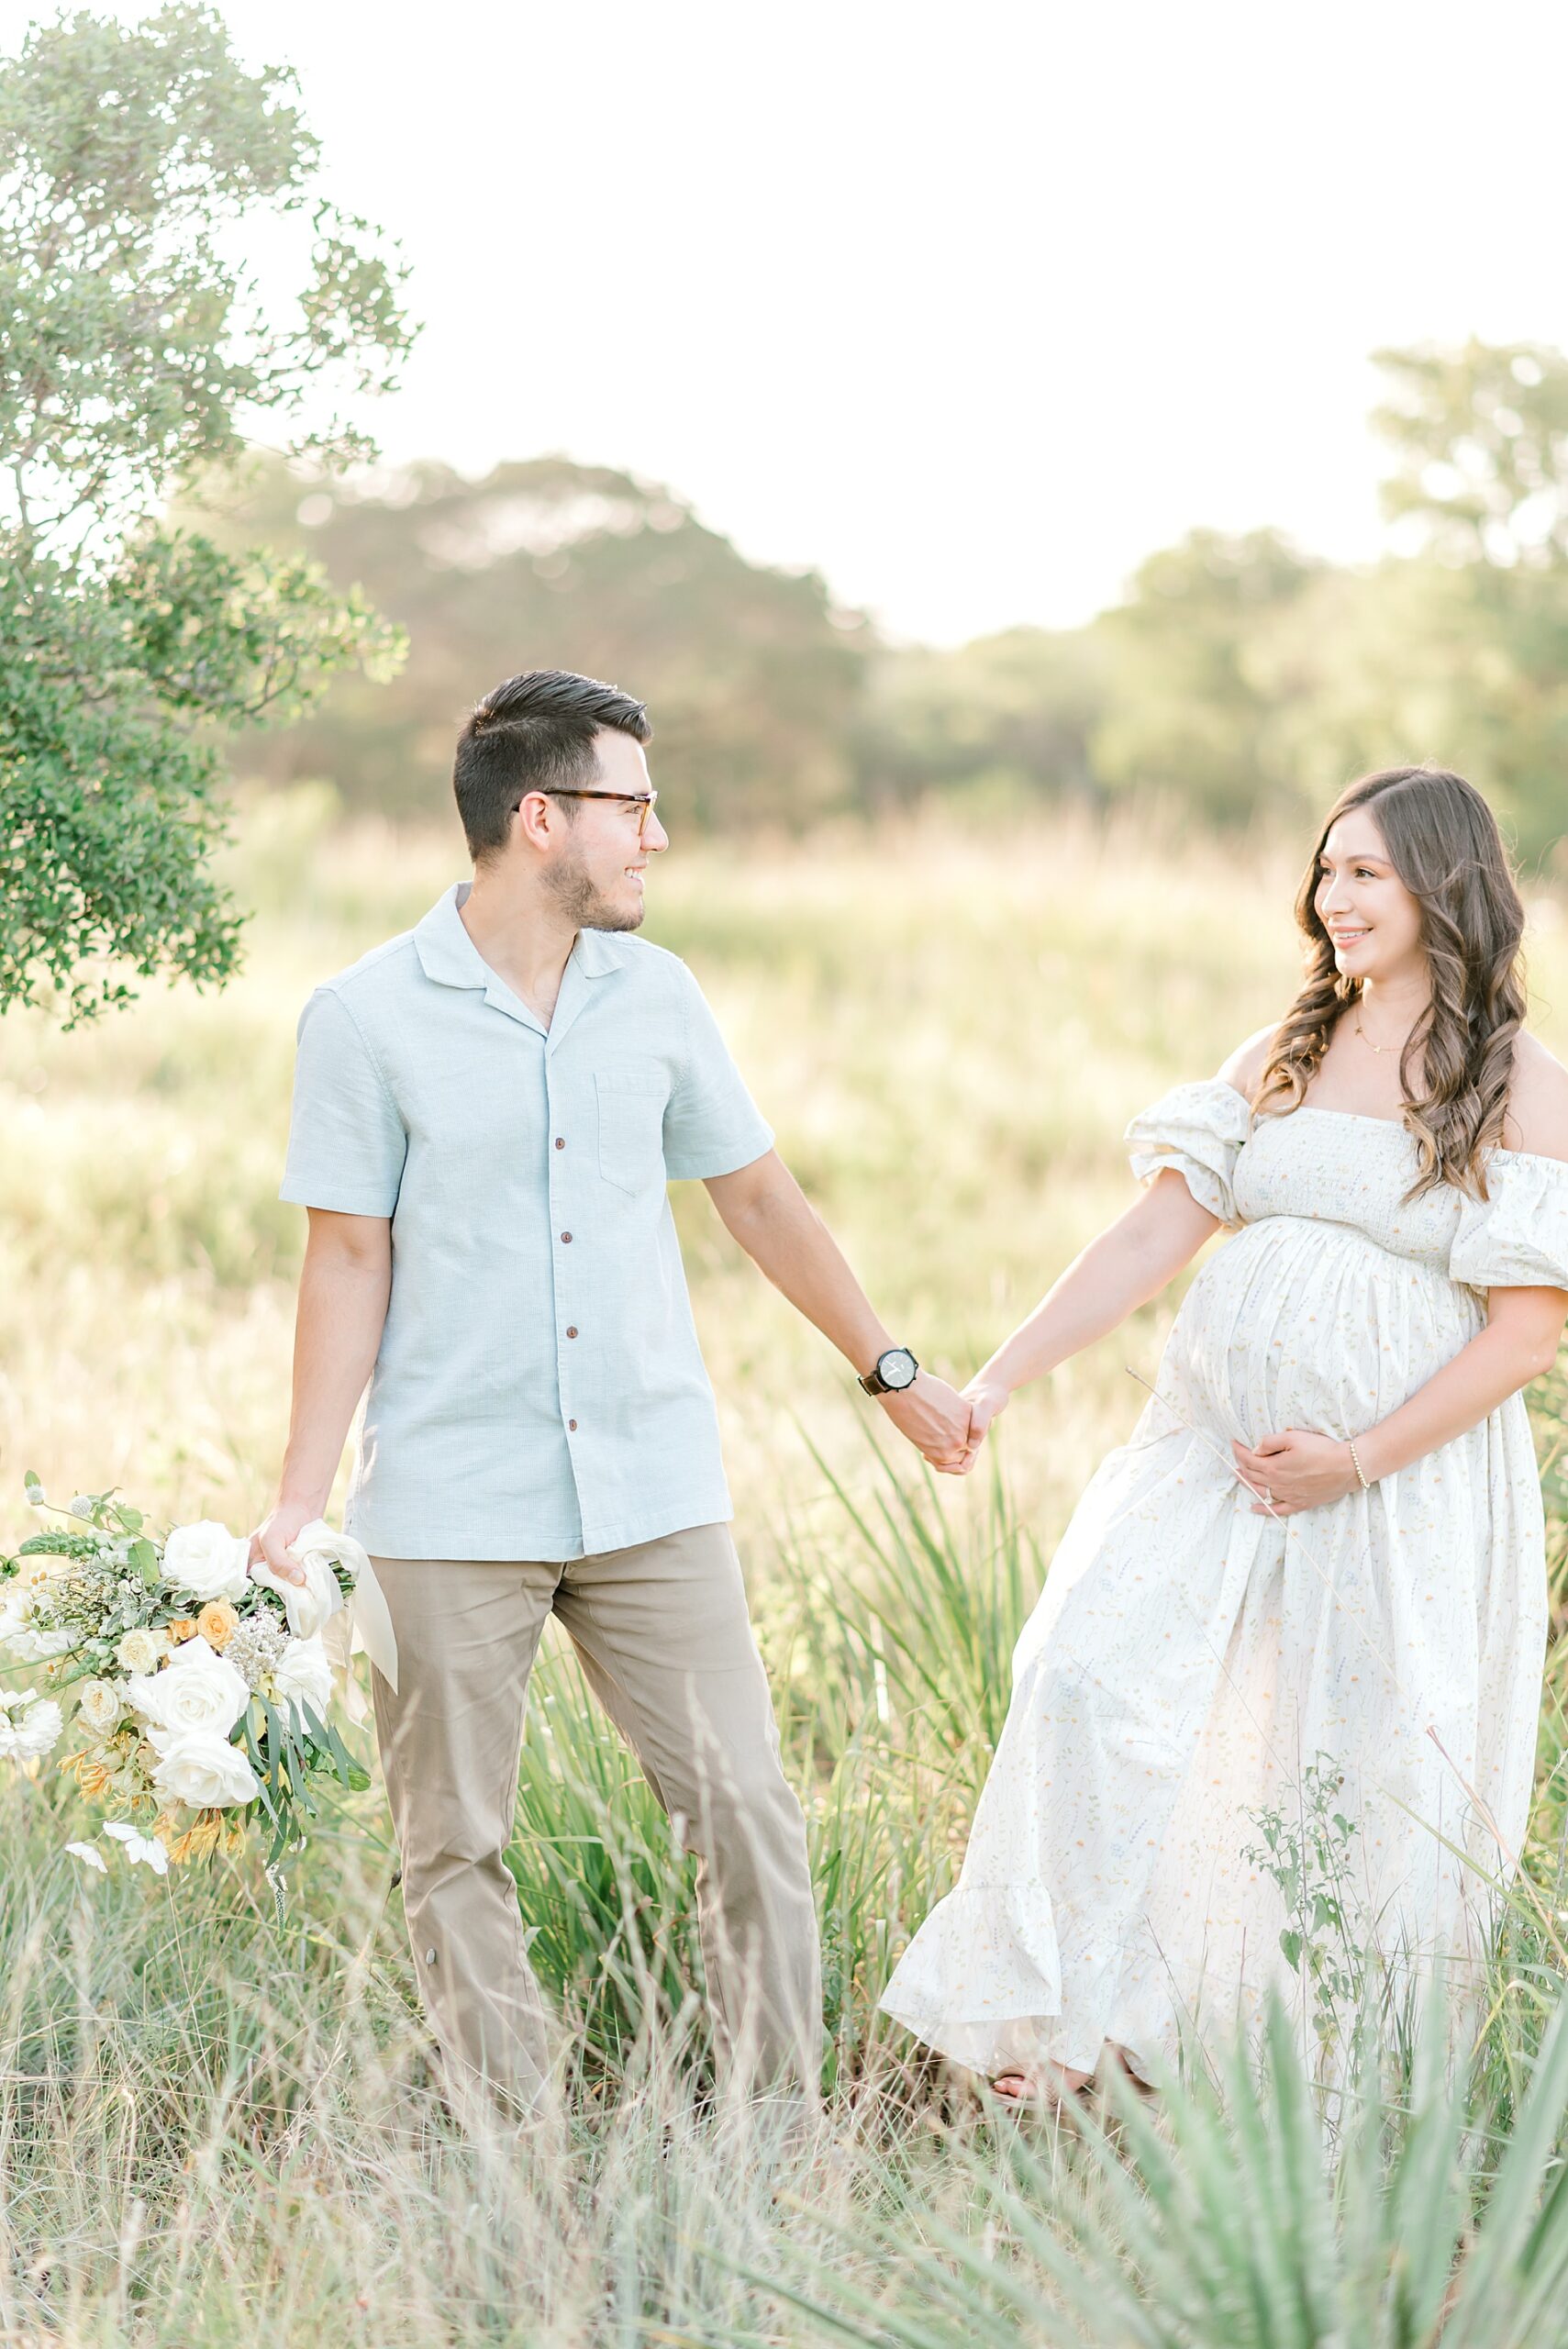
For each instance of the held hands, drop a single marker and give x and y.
(1294, 1471)
(946, 1427)
(936, 1419)
(988, 1400)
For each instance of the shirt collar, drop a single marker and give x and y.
(449, 956)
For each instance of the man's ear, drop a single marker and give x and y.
(536, 820)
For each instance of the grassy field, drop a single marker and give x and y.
(208, 2124)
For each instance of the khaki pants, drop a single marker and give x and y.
(665, 1641)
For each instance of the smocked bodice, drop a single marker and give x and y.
(1332, 1167)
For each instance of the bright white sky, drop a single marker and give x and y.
(969, 306)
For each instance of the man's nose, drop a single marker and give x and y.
(654, 836)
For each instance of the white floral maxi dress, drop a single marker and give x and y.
(1187, 1660)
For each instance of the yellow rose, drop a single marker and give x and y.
(183, 1627)
(216, 1623)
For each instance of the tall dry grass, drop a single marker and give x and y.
(210, 2126)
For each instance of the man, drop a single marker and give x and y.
(486, 1112)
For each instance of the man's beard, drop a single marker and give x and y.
(585, 906)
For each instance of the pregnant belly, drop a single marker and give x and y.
(1297, 1323)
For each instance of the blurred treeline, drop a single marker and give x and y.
(1239, 675)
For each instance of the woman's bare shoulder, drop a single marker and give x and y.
(1537, 1100)
(1247, 1063)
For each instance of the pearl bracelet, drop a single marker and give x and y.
(1355, 1463)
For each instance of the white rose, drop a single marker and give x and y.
(202, 1768)
(140, 1651)
(310, 1606)
(100, 1705)
(29, 1730)
(303, 1676)
(206, 1560)
(196, 1690)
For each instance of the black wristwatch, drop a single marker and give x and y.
(891, 1372)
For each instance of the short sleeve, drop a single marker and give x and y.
(346, 1143)
(712, 1126)
(1517, 1237)
(1199, 1131)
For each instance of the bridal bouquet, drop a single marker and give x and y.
(191, 1690)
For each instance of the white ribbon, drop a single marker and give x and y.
(362, 1622)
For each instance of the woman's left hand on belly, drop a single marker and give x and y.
(1295, 1470)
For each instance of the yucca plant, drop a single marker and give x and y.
(1242, 2211)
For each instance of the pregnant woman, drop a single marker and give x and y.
(1312, 1584)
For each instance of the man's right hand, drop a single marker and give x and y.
(271, 1538)
(936, 1420)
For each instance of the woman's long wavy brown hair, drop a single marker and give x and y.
(1443, 842)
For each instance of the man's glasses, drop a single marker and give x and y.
(643, 801)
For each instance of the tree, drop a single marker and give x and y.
(752, 677)
(1480, 441)
(1191, 715)
(1479, 491)
(1009, 717)
(138, 353)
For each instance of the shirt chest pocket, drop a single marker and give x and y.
(632, 1126)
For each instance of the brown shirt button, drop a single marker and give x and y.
(571, 1333)
(566, 1240)
(572, 1425)
(560, 1141)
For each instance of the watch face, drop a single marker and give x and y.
(898, 1367)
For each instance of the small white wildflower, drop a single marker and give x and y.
(93, 1858)
(138, 1846)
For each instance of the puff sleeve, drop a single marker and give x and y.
(1199, 1131)
(1518, 1237)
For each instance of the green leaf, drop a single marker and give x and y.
(263, 1794)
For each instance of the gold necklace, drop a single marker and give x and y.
(1379, 1049)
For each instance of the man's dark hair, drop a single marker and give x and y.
(536, 730)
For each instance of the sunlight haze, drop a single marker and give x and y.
(969, 309)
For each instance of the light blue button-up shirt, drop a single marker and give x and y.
(539, 1392)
